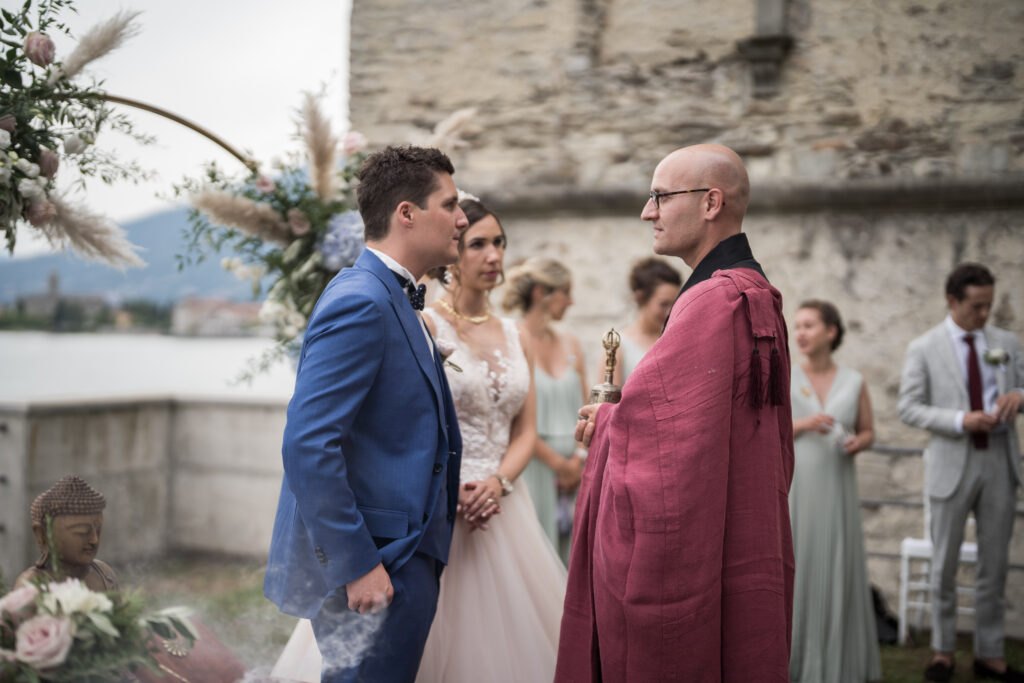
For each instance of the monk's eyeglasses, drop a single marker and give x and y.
(656, 196)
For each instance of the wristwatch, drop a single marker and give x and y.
(506, 483)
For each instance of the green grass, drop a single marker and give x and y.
(906, 664)
(227, 595)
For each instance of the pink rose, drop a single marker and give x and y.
(48, 163)
(8, 123)
(353, 142)
(39, 48)
(43, 642)
(40, 213)
(265, 184)
(17, 600)
(298, 222)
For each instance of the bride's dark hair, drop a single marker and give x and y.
(475, 212)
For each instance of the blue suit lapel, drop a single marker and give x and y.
(410, 325)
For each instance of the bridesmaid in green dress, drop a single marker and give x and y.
(834, 637)
(541, 288)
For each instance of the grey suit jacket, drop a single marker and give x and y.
(933, 390)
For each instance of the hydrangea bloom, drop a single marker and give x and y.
(343, 242)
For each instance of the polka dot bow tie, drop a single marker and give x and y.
(416, 294)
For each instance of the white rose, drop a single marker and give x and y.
(27, 168)
(5, 173)
(996, 356)
(444, 347)
(272, 311)
(71, 596)
(31, 188)
(5, 139)
(74, 143)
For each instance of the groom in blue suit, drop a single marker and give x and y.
(371, 446)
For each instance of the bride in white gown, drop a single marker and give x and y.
(500, 604)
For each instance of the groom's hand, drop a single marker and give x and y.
(371, 592)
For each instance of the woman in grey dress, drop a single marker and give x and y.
(834, 636)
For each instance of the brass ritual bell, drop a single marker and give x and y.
(606, 392)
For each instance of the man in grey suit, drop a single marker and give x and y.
(961, 381)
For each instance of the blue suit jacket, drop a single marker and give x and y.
(370, 438)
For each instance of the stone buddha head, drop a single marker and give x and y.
(77, 513)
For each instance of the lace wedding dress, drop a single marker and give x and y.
(500, 605)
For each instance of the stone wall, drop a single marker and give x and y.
(178, 475)
(589, 94)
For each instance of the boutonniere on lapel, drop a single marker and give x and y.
(997, 358)
(446, 348)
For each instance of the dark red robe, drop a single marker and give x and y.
(682, 562)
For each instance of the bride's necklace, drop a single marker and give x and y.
(475, 319)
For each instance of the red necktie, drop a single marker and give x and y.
(974, 388)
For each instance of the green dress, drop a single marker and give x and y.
(558, 403)
(834, 636)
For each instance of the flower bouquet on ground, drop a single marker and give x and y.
(62, 631)
(49, 121)
(288, 232)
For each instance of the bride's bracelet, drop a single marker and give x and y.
(506, 483)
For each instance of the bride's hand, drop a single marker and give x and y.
(478, 501)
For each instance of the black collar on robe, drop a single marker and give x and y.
(732, 252)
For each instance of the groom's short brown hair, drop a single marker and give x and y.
(395, 175)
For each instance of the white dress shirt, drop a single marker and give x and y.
(396, 267)
(989, 383)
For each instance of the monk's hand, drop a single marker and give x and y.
(371, 592)
(1008, 405)
(979, 421)
(585, 424)
(479, 501)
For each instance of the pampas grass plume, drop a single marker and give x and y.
(446, 135)
(322, 146)
(91, 235)
(243, 214)
(98, 41)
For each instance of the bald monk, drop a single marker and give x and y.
(76, 511)
(682, 564)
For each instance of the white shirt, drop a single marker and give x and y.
(396, 267)
(989, 383)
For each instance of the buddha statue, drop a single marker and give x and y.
(76, 511)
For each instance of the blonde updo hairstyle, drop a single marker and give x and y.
(550, 274)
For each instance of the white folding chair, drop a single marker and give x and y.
(915, 582)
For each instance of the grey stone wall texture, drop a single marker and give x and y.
(884, 140)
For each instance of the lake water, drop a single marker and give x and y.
(40, 365)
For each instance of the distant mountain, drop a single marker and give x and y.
(160, 236)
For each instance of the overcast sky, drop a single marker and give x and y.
(237, 69)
